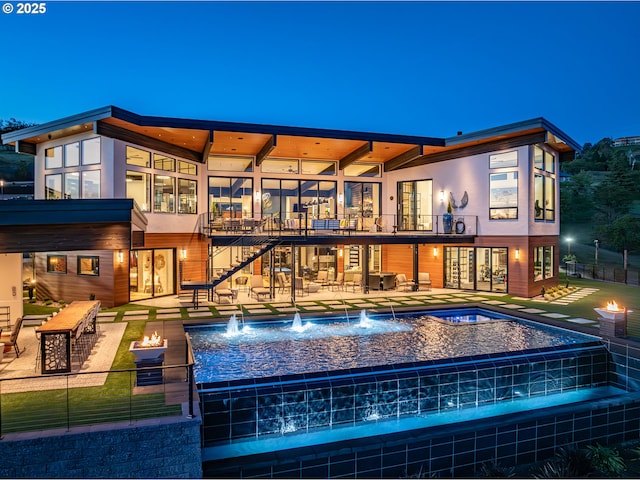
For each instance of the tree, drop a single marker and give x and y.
(13, 124)
(576, 198)
(622, 234)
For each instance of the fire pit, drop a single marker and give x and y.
(613, 320)
(612, 311)
(149, 348)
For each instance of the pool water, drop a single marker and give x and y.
(277, 349)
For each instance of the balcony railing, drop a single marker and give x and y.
(295, 223)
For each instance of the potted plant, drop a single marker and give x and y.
(448, 219)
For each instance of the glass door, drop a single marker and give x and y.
(151, 273)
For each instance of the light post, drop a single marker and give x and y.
(568, 259)
(596, 243)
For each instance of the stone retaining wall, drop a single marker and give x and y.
(162, 448)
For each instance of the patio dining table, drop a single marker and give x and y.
(58, 334)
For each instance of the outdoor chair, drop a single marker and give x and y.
(404, 284)
(11, 339)
(355, 282)
(222, 290)
(322, 277)
(257, 287)
(282, 282)
(338, 282)
(424, 278)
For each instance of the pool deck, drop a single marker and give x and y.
(169, 318)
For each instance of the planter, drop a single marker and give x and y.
(447, 220)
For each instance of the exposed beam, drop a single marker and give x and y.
(125, 135)
(356, 155)
(400, 160)
(266, 149)
(25, 147)
(530, 139)
(207, 147)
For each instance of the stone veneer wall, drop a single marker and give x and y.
(164, 448)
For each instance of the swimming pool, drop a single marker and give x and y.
(275, 349)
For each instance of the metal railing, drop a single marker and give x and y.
(296, 223)
(64, 401)
(605, 273)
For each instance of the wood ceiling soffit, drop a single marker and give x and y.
(266, 149)
(513, 142)
(125, 135)
(356, 155)
(207, 147)
(403, 158)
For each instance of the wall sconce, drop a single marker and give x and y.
(340, 253)
(120, 257)
(435, 251)
(183, 253)
(340, 198)
(517, 254)
(441, 196)
(256, 195)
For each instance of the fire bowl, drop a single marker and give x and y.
(610, 314)
(147, 353)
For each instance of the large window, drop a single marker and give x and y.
(53, 158)
(476, 268)
(72, 185)
(230, 197)
(138, 157)
(91, 184)
(139, 188)
(164, 194)
(221, 163)
(187, 196)
(503, 195)
(363, 170)
(91, 151)
(362, 199)
(544, 185)
(72, 154)
(277, 165)
(53, 187)
(542, 263)
(415, 205)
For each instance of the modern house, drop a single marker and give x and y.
(212, 201)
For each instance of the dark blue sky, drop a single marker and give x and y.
(417, 68)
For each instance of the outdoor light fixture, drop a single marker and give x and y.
(517, 254)
(569, 240)
(340, 252)
(120, 257)
(256, 195)
(183, 253)
(441, 196)
(340, 198)
(435, 251)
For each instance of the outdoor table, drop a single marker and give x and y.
(56, 335)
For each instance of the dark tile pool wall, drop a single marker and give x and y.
(316, 403)
(625, 364)
(455, 450)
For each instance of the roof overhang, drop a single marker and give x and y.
(49, 225)
(196, 140)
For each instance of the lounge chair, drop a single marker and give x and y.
(322, 277)
(11, 339)
(257, 287)
(222, 290)
(424, 278)
(404, 284)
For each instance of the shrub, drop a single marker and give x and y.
(604, 459)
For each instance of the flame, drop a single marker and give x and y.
(154, 341)
(613, 306)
